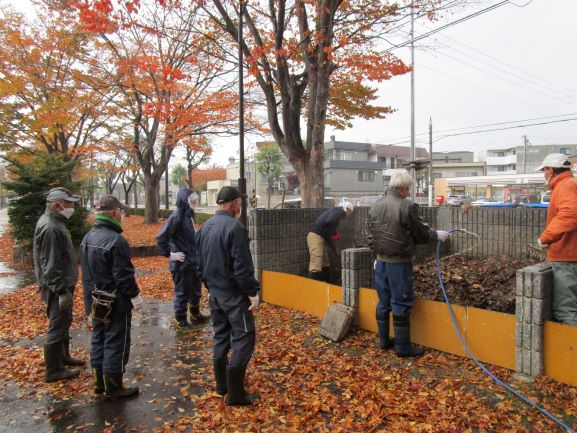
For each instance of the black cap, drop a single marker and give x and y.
(109, 203)
(61, 193)
(228, 193)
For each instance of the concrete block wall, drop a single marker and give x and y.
(357, 272)
(534, 289)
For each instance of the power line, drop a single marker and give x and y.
(509, 127)
(452, 23)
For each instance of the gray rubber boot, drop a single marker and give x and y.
(55, 370)
(236, 394)
(220, 365)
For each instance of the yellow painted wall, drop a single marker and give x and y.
(489, 335)
(299, 293)
(561, 352)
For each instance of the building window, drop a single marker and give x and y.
(565, 151)
(500, 153)
(366, 176)
(465, 173)
(346, 156)
(383, 159)
(501, 168)
(437, 175)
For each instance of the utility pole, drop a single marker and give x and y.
(412, 151)
(166, 187)
(525, 144)
(430, 162)
(242, 179)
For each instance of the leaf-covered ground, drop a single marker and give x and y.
(487, 283)
(306, 383)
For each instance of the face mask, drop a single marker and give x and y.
(67, 212)
(548, 179)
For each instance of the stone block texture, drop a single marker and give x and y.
(533, 308)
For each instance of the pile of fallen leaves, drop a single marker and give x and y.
(487, 283)
(137, 233)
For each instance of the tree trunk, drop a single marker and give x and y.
(152, 188)
(268, 192)
(135, 195)
(310, 175)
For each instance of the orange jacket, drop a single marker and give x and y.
(561, 230)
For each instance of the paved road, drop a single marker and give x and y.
(11, 279)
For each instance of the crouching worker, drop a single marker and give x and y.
(395, 228)
(227, 270)
(108, 280)
(176, 241)
(322, 236)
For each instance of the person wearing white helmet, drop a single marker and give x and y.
(559, 239)
(323, 235)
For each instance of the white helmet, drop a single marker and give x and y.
(554, 160)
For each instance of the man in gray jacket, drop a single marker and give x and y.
(56, 273)
(395, 228)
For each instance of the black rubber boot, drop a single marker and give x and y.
(220, 365)
(98, 380)
(66, 358)
(236, 394)
(55, 370)
(383, 323)
(403, 346)
(114, 389)
(326, 274)
(316, 276)
(195, 315)
(182, 324)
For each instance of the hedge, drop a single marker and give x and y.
(199, 217)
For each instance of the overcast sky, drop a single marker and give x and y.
(514, 63)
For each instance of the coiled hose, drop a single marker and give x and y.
(466, 348)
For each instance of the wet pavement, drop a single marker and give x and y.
(161, 363)
(11, 279)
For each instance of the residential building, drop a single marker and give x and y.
(456, 164)
(521, 159)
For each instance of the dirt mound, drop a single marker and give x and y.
(487, 283)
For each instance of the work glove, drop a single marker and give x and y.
(335, 237)
(177, 257)
(442, 235)
(375, 266)
(137, 302)
(542, 245)
(254, 301)
(64, 300)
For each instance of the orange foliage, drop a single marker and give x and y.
(204, 175)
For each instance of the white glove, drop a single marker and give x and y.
(375, 266)
(254, 301)
(442, 235)
(137, 302)
(177, 257)
(542, 245)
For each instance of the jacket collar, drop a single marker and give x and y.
(102, 221)
(560, 177)
(56, 215)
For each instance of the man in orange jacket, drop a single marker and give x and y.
(559, 238)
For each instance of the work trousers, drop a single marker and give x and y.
(186, 290)
(318, 251)
(111, 343)
(394, 283)
(565, 292)
(59, 321)
(234, 328)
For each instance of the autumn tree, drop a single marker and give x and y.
(174, 85)
(269, 164)
(48, 98)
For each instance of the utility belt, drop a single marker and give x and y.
(102, 305)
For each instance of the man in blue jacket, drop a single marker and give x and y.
(107, 268)
(322, 236)
(176, 241)
(227, 270)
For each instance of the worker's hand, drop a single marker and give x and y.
(254, 301)
(375, 266)
(137, 302)
(64, 300)
(177, 257)
(442, 235)
(336, 237)
(542, 245)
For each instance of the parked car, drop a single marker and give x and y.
(484, 202)
(295, 203)
(367, 200)
(458, 200)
